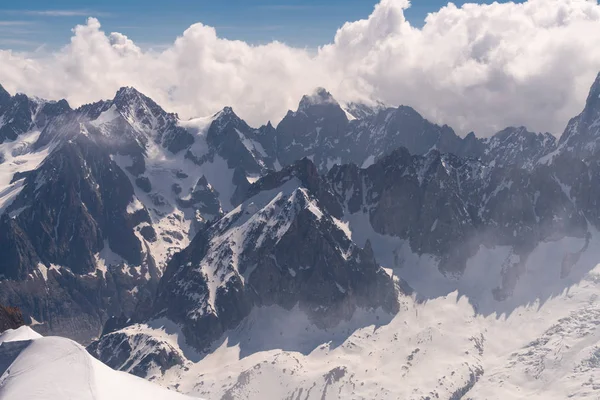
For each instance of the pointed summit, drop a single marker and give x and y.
(320, 96)
(130, 96)
(583, 132)
(595, 90)
(140, 111)
(226, 116)
(127, 92)
(593, 99)
(4, 96)
(226, 112)
(129, 99)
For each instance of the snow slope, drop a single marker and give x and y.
(17, 157)
(52, 368)
(542, 344)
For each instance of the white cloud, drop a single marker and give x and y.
(62, 13)
(478, 67)
(14, 23)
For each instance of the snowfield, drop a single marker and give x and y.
(33, 367)
(543, 343)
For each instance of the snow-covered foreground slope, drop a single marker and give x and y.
(441, 348)
(33, 367)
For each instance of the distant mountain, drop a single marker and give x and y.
(119, 211)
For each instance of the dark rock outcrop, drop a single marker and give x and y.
(137, 353)
(10, 317)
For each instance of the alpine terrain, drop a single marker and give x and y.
(353, 251)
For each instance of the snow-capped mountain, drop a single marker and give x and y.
(96, 201)
(230, 256)
(281, 246)
(21, 114)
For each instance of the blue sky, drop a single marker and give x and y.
(28, 24)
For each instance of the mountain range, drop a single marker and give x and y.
(163, 243)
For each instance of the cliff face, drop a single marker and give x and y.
(10, 318)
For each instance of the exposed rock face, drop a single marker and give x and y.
(448, 206)
(99, 198)
(136, 353)
(77, 243)
(314, 130)
(20, 114)
(517, 147)
(281, 246)
(97, 203)
(10, 317)
(583, 132)
(83, 178)
(236, 142)
(68, 304)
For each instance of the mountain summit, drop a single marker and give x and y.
(289, 252)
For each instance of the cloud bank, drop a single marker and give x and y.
(477, 67)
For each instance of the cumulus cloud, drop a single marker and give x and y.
(477, 67)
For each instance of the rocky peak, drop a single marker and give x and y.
(4, 97)
(521, 134)
(307, 173)
(319, 97)
(582, 135)
(140, 121)
(140, 111)
(304, 169)
(591, 112)
(279, 247)
(315, 130)
(226, 128)
(17, 116)
(517, 146)
(54, 108)
(321, 105)
(594, 94)
(128, 94)
(405, 127)
(93, 110)
(227, 116)
(472, 146)
(227, 110)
